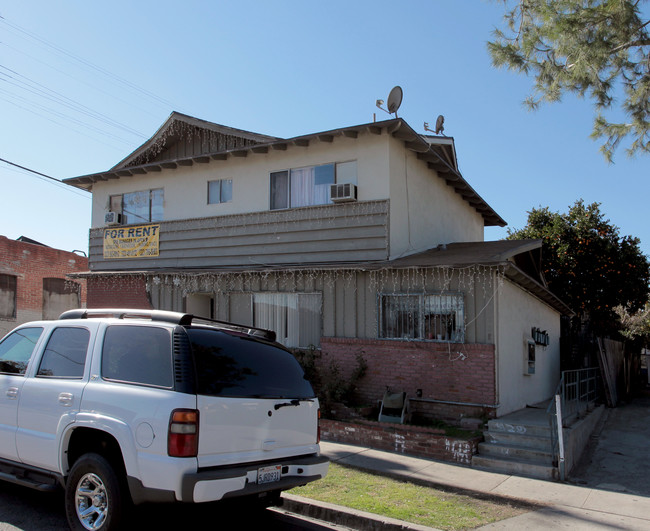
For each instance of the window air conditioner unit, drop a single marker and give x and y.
(341, 193)
(113, 218)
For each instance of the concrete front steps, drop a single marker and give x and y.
(518, 444)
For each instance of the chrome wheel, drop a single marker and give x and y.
(96, 496)
(91, 501)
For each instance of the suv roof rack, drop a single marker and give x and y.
(268, 335)
(154, 315)
(183, 319)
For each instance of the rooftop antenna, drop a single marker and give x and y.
(394, 101)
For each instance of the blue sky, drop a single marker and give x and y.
(82, 84)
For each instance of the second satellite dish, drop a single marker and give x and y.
(395, 99)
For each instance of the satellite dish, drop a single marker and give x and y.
(395, 99)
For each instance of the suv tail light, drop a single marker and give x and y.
(183, 437)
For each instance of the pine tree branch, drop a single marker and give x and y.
(640, 42)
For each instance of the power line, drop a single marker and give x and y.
(82, 81)
(33, 171)
(87, 64)
(58, 181)
(41, 90)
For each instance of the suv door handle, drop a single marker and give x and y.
(12, 393)
(65, 399)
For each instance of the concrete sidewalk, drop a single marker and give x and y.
(565, 505)
(610, 488)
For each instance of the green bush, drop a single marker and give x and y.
(329, 384)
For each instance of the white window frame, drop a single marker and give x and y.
(436, 316)
(312, 194)
(224, 193)
(155, 211)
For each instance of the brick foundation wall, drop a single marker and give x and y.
(409, 440)
(463, 375)
(126, 291)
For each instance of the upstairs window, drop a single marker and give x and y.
(308, 186)
(219, 191)
(139, 207)
(436, 317)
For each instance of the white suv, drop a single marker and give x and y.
(122, 406)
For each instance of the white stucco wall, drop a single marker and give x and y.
(424, 210)
(517, 313)
(185, 188)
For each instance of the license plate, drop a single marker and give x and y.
(269, 474)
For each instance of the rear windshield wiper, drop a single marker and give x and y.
(295, 402)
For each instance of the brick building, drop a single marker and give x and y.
(34, 283)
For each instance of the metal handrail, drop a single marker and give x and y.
(576, 391)
(554, 423)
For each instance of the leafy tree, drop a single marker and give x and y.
(635, 325)
(587, 263)
(586, 47)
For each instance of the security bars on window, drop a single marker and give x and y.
(435, 317)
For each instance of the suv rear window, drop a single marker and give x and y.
(138, 354)
(240, 366)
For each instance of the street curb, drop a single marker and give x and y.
(345, 516)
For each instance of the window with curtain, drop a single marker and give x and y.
(308, 186)
(140, 207)
(219, 191)
(294, 317)
(436, 317)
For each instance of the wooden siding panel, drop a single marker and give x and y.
(349, 298)
(331, 233)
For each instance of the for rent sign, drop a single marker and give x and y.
(131, 242)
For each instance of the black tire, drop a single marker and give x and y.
(95, 497)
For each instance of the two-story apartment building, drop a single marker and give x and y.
(362, 240)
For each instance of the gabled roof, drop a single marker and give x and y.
(438, 153)
(168, 133)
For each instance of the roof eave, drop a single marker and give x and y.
(396, 127)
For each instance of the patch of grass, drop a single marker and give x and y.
(426, 506)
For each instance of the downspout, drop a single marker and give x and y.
(495, 327)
